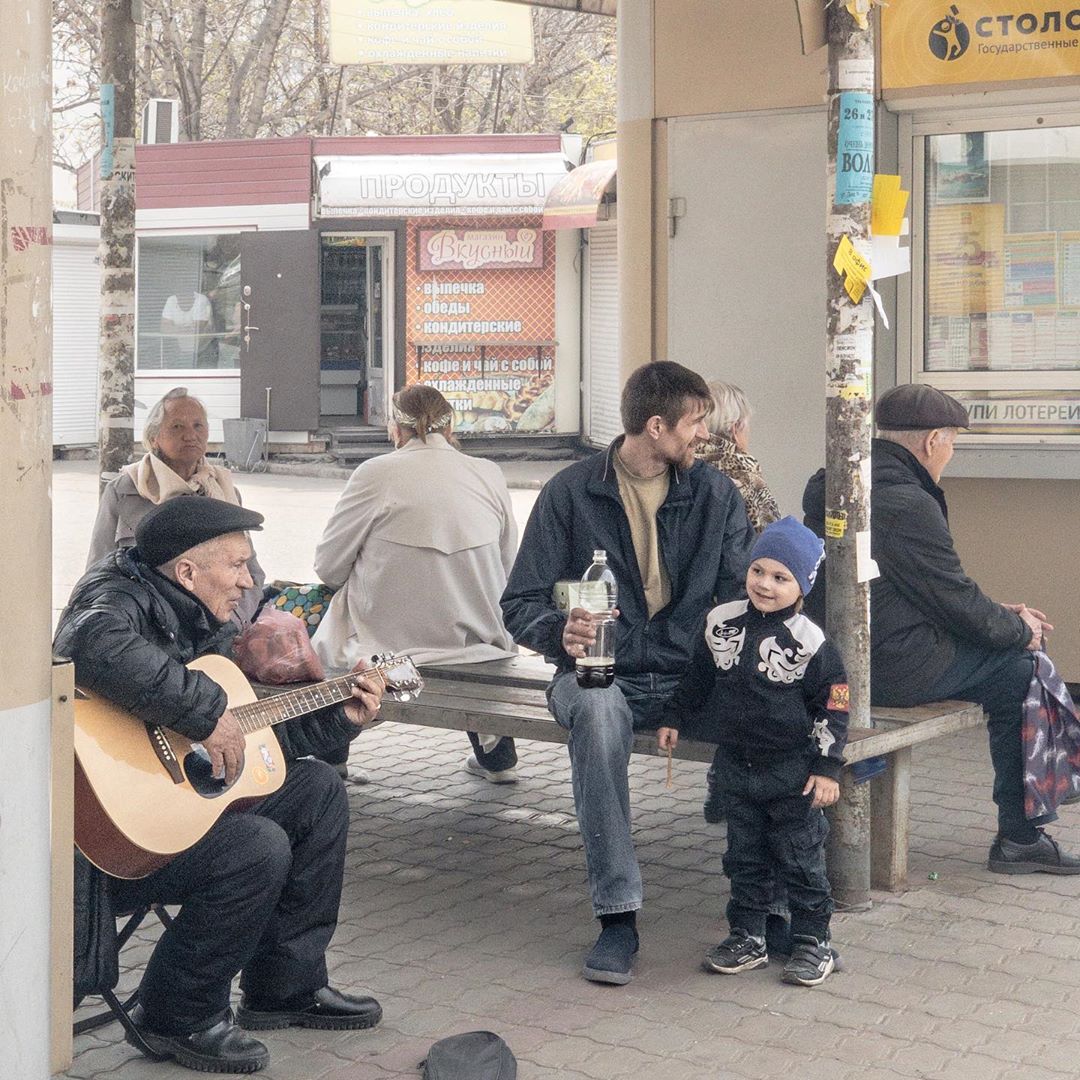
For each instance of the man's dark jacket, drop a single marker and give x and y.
(129, 631)
(704, 540)
(923, 604)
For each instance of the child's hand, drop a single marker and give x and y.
(826, 791)
(667, 738)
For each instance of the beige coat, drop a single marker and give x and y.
(418, 547)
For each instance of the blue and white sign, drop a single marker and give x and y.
(855, 148)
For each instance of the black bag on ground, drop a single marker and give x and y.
(475, 1055)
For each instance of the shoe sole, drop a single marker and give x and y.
(256, 1021)
(492, 777)
(996, 867)
(749, 965)
(612, 978)
(796, 980)
(200, 1062)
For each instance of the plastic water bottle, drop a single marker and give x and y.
(598, 594)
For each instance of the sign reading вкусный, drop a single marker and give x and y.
(472, 249)
(933, 42)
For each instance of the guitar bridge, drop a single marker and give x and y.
(160, 742)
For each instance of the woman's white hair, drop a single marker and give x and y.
(730, 408)
(156, 416)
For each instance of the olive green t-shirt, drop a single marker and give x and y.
(642, 497)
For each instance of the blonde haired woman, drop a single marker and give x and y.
(418, 549)
(727, 449)
(175, 436)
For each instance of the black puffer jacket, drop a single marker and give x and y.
(923, 603)
(130, 631)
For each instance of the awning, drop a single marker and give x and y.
(418, 185)
(574, 201)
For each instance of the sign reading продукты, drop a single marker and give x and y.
(855, 148)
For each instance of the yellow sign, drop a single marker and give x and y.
(835, 524)
(887, 205)
(430, 32)
(935, 42)
(847, 261)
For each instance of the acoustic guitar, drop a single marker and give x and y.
(144, 794)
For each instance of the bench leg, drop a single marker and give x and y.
(890, 815)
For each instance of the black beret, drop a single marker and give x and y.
(919, 407)
(185, 522)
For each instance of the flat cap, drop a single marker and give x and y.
(185, 522)
(919, 407)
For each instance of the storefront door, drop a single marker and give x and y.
(279, 324)
(354, 311)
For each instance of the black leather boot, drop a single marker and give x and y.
(223, 1048)
(328, 1009)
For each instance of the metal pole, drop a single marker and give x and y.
(849, 390)
(116, 347)
(25, 542)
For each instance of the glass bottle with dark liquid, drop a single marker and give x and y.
(597, 593)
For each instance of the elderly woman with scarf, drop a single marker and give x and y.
(727, 449)
(418, 549)
(175, 435)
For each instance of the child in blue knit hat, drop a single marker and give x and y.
(779, 688)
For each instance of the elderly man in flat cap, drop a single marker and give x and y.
(259, 893)
(934, 633)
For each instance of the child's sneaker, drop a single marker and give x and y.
(811, 961)
(739, 951)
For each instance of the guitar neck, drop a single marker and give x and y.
(300, 702)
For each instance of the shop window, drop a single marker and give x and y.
(1002, 251)
(189, 311)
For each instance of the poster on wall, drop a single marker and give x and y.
(1031, 270)
(965, 258)
(480, 305)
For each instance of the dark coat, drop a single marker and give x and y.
(775, 683)
(129, 631)
(923, 604)
(704, 540)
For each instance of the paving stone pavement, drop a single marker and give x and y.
(465, 907)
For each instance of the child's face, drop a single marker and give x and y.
(770, 586)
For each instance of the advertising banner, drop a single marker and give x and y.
(934, 42)
(430, 32)
(480, 322)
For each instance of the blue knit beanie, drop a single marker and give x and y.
(793, 544)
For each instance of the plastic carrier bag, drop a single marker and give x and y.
(276, 649)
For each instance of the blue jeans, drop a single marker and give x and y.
(601, 724)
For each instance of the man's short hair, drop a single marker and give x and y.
(663, 389)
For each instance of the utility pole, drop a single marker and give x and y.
(25, 541)
(849, 353)
(116, 343)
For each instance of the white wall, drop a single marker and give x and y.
(747, 276)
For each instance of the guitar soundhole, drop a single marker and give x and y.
(200, 773)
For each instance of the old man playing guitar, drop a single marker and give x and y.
(259, 889)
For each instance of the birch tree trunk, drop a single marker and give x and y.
(116, 346)
(849, 390)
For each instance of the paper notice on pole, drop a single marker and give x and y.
(876, 296)
(888, 258)
(853, 267)
(855, 74)
(865, 567)
(855, 148)
(887, 205)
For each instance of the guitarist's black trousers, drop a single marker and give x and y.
(259, 894)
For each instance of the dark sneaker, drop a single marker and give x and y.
(612, 957)
(223, 1048)
(327, 1009)
(1042, 856)
(493, 776)
(739, 951)
(811, 961)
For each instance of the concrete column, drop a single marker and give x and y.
(25, 540)
(635, 184)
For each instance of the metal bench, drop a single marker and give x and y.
(506, 697)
